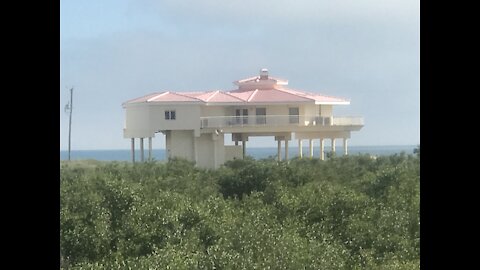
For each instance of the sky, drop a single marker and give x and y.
(367, 51)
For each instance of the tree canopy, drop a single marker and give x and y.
(350, 212)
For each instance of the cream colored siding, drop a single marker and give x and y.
(211, 153)
(326, 110)
(277, 110)
(310, 110)
(233, 152)
(187, 117)
(220, 150)
(180, 144)
(213, 111)
(137, 122)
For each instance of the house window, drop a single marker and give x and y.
(241, 116)
(293, 115)
(170, 115)
(261, 115)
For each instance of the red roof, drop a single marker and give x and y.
(247, 93)
(172, 97)
(268, 95)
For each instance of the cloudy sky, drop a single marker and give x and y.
(115, 50)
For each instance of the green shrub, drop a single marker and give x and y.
(349, 212)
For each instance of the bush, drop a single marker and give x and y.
(242, 177)
(349, 212)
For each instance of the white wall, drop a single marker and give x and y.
(179, 143)
(233, 151)
(220, 150)
(205, 151)
(213, 111)
(137, 120)
(187, 117)
(145, 119)
(210, 152)
(310, 110)
(277, 110)
(326, 110)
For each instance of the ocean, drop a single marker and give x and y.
(257, 153)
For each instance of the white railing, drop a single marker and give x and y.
(347, 121)
(277, 120)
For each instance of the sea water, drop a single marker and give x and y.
(257, 153)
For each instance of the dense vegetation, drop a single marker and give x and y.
(343, 213)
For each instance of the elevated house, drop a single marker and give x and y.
(195, 123)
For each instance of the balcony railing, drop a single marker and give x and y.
(277, 120)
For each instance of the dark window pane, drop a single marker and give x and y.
(245, 116)
(293, 112)
(167, 115)
(172, 115)
(237, 116)
(261, 112)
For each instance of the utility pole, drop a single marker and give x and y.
(70, 108)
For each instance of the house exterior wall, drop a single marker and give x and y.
(233, 152)
(179, 143)
(277, 110)
(137, 122)
(210, 150)
(214, 111)
(143, 121)
(326, 110)
(187, 117)
(205, 148)
(310, 110)
(304, 109)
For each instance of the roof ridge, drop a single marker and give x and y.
(210, 97)
(144, 96)
(157, 96)
(183, 95)
(314, 94)
(286, 91)
(228, 93)
(252, 95)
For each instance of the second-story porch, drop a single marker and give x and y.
(287, 121)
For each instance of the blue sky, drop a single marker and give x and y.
(364, 50)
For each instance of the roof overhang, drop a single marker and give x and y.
(332, 102)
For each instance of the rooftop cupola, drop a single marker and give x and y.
(264, 74)
(264, 81)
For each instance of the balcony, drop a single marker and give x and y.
(277, 120)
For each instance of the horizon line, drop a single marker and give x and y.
(338, 146)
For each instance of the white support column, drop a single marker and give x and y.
(333, 145)
(279, 150)
(322, 149)
(149, 148)
(345, 146)
(243, 148)
(167, 146)
(310, 144)
(195, 150)
(215, 154)
(133, 150)
(286, 150)
(141, 149)
(300, 148)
